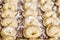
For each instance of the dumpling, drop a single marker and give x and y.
(8, 13)
(30, 5)
(11, 1)
(50, 21)
(53, 39)
(30, 12)
(8, 32)
(8, 38)
(30, 0)
(31, 21)
(9, 22)
(47, 6)
(57, 2)
(32, 32)
(53, 31)
(49, 14)
(10, 6)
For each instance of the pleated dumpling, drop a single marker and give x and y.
(32, 32)
(8, 32)
(53, 31)
(9, 22)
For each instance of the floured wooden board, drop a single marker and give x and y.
(29, 19)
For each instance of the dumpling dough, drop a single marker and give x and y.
(57, 2)
(58, 12)
(10, 6)
(8, 31)
(47, 21)
(42, 2)
(32, 32)
(8, 38)
(8, 13)
(54, 39)
(47, 6)
(9, 22)
(50, 21)
(30, 0)
(30, 13)
(51, 39)
(49, 14)
(53, 31)
(30, 5)
(33, 39)
(11, 1)
(31, 21)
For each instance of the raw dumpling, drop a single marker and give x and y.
(8, 38)
(32, 32)
(53, 31)
(8, 13)
(9, 22)
(10, 6)
(30, 13)
(8, 31)
(11, 1)
(31, 21)
(49, 14)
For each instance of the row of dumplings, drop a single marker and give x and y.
(40, 39)
(9, 22)
(31, 24)
(50, 18)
